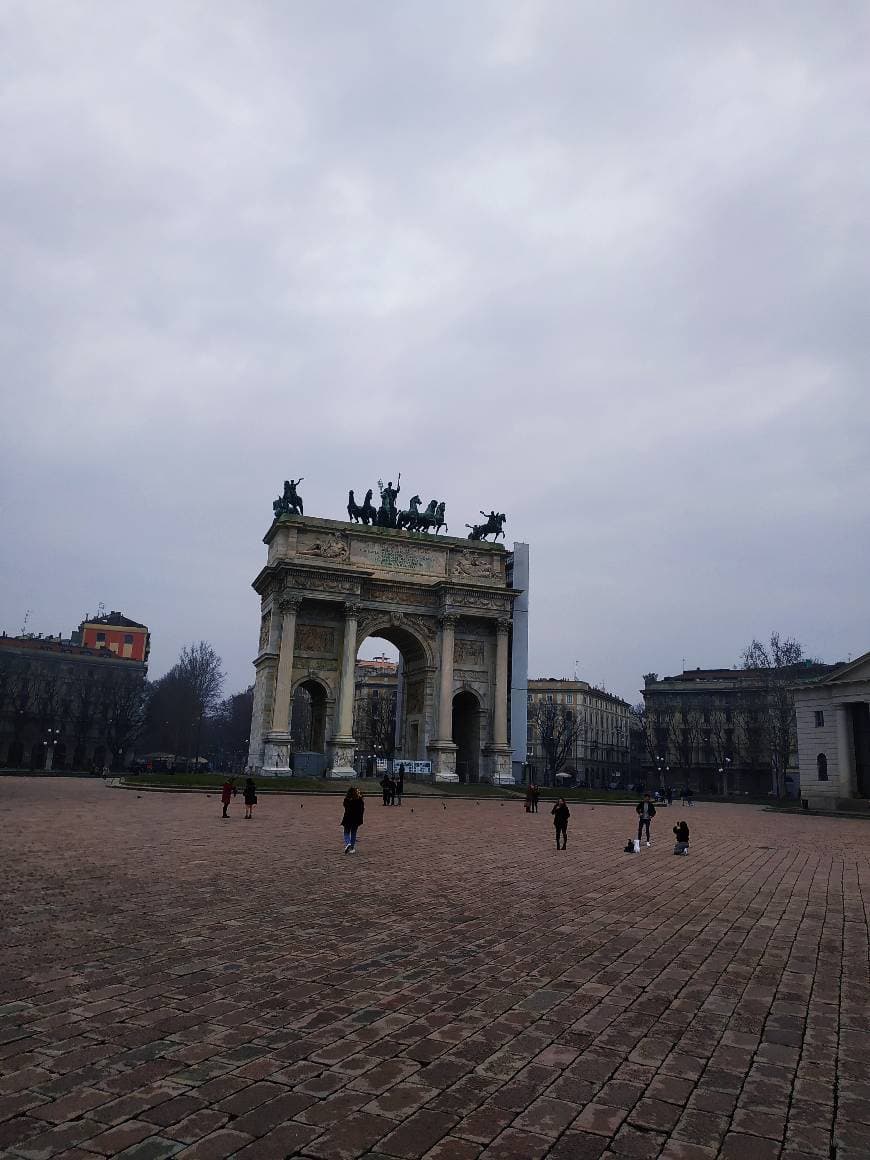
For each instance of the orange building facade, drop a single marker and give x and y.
(125, 638)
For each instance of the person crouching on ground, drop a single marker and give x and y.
(646, 811)
(352, 819)
(561, 814)
(228, 790)
(250, 798)
(681, 834)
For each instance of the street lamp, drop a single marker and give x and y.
(51, 739)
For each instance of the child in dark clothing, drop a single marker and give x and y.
(681, 833)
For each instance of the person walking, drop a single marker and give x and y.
(561, 814)
(385, 786)
(529, 794)
(352, 818)
(670, 795)
(228, 791)
(536, 793)
(400, 785)
(250, 798)
(690, 796)
(646, 811)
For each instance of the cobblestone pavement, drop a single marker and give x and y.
(178, 985)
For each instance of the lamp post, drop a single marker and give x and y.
(51, 739)
(726, 766)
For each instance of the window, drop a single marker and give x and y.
(569, 698)
(531, 698)
(101, 638)
(549, 698)
(128, 638)
(820, 718)
(822, 767)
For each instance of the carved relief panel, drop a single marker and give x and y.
(312, 638)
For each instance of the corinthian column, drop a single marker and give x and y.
(289, 607)
(445, 688)
(500, 750)
(342, 742)
(442, 749)
(499, 716)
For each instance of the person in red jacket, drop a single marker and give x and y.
(228, 791)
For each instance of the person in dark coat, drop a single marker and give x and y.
(352, 818)
(250, 797)
(536, 793)
(646, 811)
(561, 814)
(400, 785)
(681, 836)
(392, 791)
(530, 789)
(385, 786)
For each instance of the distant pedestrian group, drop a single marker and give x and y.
(533, 795)
(393, 787)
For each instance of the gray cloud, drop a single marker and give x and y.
(601, 266)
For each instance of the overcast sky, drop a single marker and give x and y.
(603, 267)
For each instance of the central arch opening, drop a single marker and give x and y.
(390, 698)
(466, 735)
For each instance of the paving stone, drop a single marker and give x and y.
(732, 1017)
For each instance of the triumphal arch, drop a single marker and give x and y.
(446, 605)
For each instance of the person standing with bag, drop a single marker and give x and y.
(352, 818)
(646, 811)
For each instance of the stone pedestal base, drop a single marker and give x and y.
(341, 753)
(276, 755)
(501, 765)
(442, 754)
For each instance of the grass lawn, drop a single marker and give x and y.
(369, 785)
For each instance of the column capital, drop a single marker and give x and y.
(351, 611)
(449, 619)
(289, 603)
(503, 625)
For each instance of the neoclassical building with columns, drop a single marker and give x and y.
(446, 604)
(833, 732)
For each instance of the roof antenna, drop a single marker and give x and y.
(27, 613)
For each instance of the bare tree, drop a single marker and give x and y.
(228, 730)
(644, 721)
(124, 701)
(181, 699)
(778, 663)
(557, 730)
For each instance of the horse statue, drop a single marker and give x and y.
(439, 518)
(494, 524)
(425, 519)
(409, 518)
(290, 503)
(367, 513)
